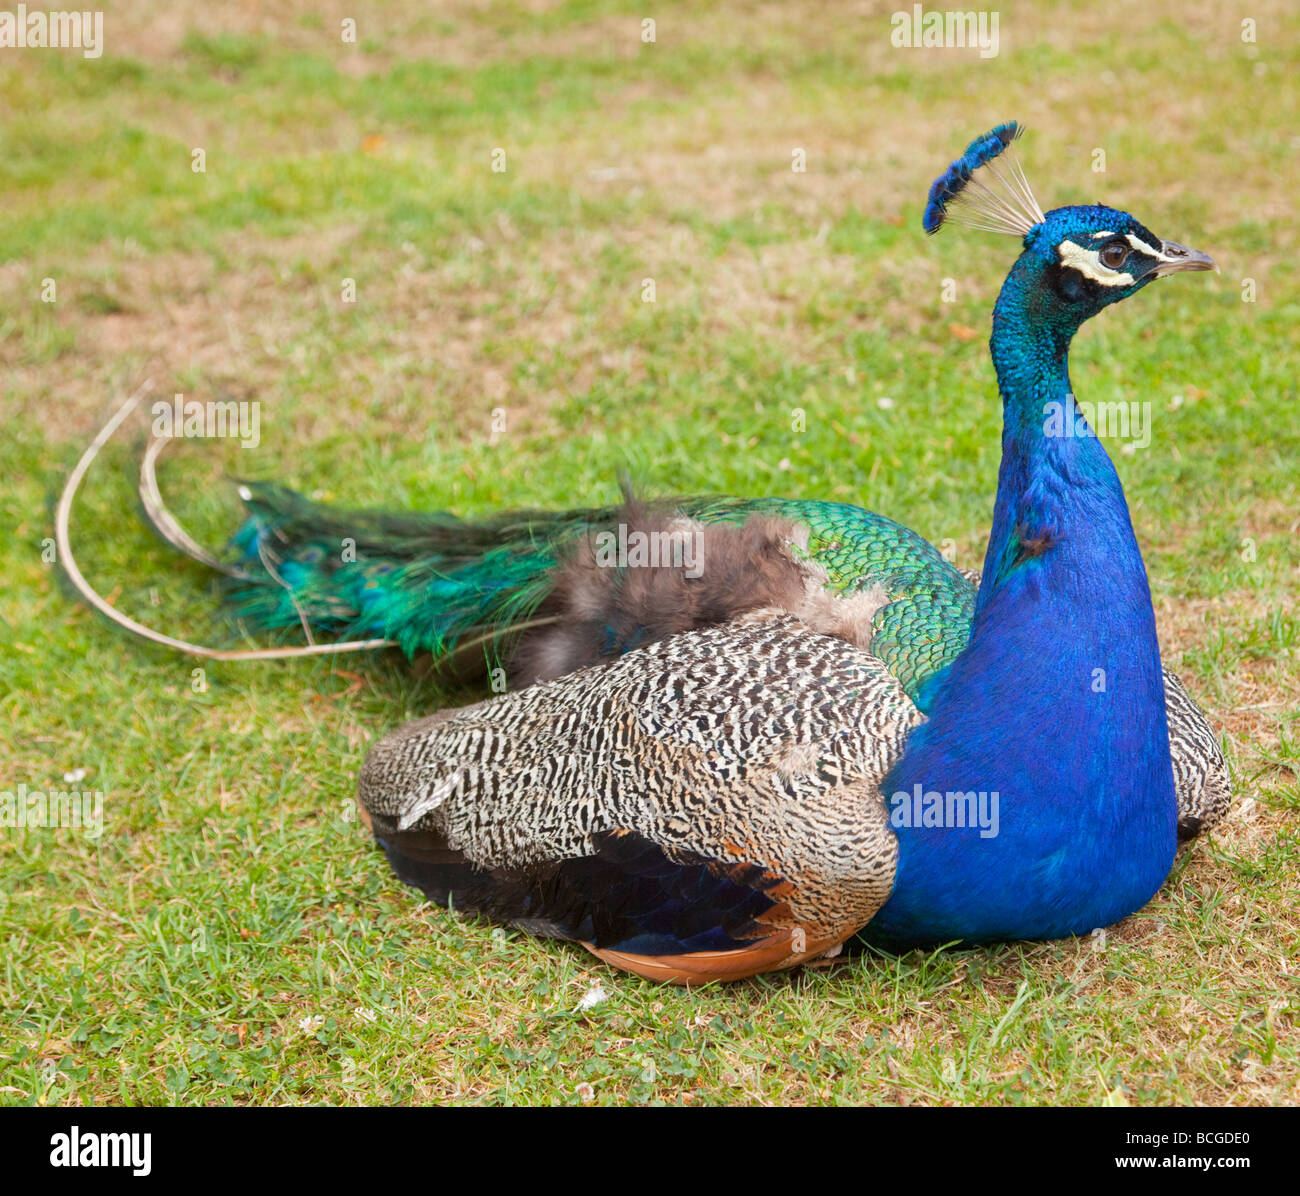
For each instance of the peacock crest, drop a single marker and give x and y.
(1000, 201)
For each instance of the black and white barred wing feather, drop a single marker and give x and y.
(704, 808)
(1201, 779)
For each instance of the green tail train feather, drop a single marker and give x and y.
(432, 582)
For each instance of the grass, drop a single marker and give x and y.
(232, 937)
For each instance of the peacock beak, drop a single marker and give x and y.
(1175, 258)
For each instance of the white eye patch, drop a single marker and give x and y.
(1142, 247)
(1088, 263)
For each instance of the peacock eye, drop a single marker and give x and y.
(1113, 255)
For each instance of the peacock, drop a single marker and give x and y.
(740, 733)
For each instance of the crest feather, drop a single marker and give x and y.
(1006, 206)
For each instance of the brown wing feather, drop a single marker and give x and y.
(773, 953)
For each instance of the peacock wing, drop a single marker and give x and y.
(703, 808)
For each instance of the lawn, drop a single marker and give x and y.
(349, 258)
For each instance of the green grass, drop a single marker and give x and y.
(232, 936)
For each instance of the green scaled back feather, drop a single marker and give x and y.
(927, 621)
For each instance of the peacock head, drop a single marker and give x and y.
(1076, 260)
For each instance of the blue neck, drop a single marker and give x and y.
(1057, 703)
